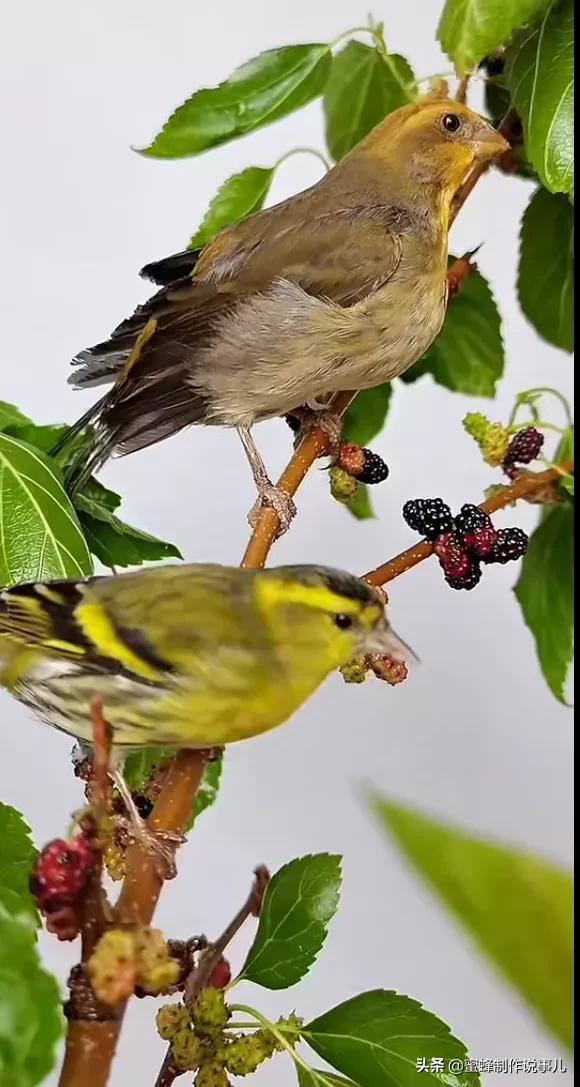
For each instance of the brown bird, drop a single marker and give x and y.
(340, 287)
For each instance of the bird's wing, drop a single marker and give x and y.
(199, 622)
(155, 627)
(41, 616)
(59, 619)
(169, 269)
(341, 255)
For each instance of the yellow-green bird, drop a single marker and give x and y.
(190, 656)
(340, 287)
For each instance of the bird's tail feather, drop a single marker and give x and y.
(84, 447)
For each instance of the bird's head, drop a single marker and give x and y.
(325, 614)
(434, 143)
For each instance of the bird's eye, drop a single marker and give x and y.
(343, 622)
(451, 122)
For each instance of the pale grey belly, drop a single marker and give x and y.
(284, 348)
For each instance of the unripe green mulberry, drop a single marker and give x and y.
(171, 1018)
(343, 487)
(210, 1013)
(187, 1050)
(476, 424)
(156, 969)
(112, 966)
(495, 445)
(270, 1043)
(492, 438)
(246, 1053)
(355, 671)
(212, 1075)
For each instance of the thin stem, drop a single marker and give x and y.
(540, 424)
(528, 398)
(303, 151)
(209, 959)
(102, 735)
(349, 33)
(278, 1033)
(381, 48)
(200, 975)
(560, 469)
(523, 487)
(91, 1042)
(168, 1073)
(241, 1025)
(274, 1029)
(95, 908)
(410, 90)
(463, 88)
(546, 390)
(449, 74)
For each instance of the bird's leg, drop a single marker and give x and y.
(268, 493)
(317, 414)
(159, 843)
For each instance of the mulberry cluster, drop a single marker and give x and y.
(464, 542)
(199, 1043)
(355, 465)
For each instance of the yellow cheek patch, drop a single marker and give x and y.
(97, 626)
(271, 592)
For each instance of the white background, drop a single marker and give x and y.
(475, 736)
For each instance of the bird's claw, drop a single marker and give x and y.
(330, 424)
(276, 499)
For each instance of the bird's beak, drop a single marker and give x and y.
(385, 640)
(489, 144)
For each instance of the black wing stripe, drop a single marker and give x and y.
(137, 642)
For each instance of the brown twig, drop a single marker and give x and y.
(463, 88)
(168, 1073)
(92, 1040)
(100, 782)
(211, 956)
(314, 445)
(95, 907)
(209, 959)
(524, 486)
